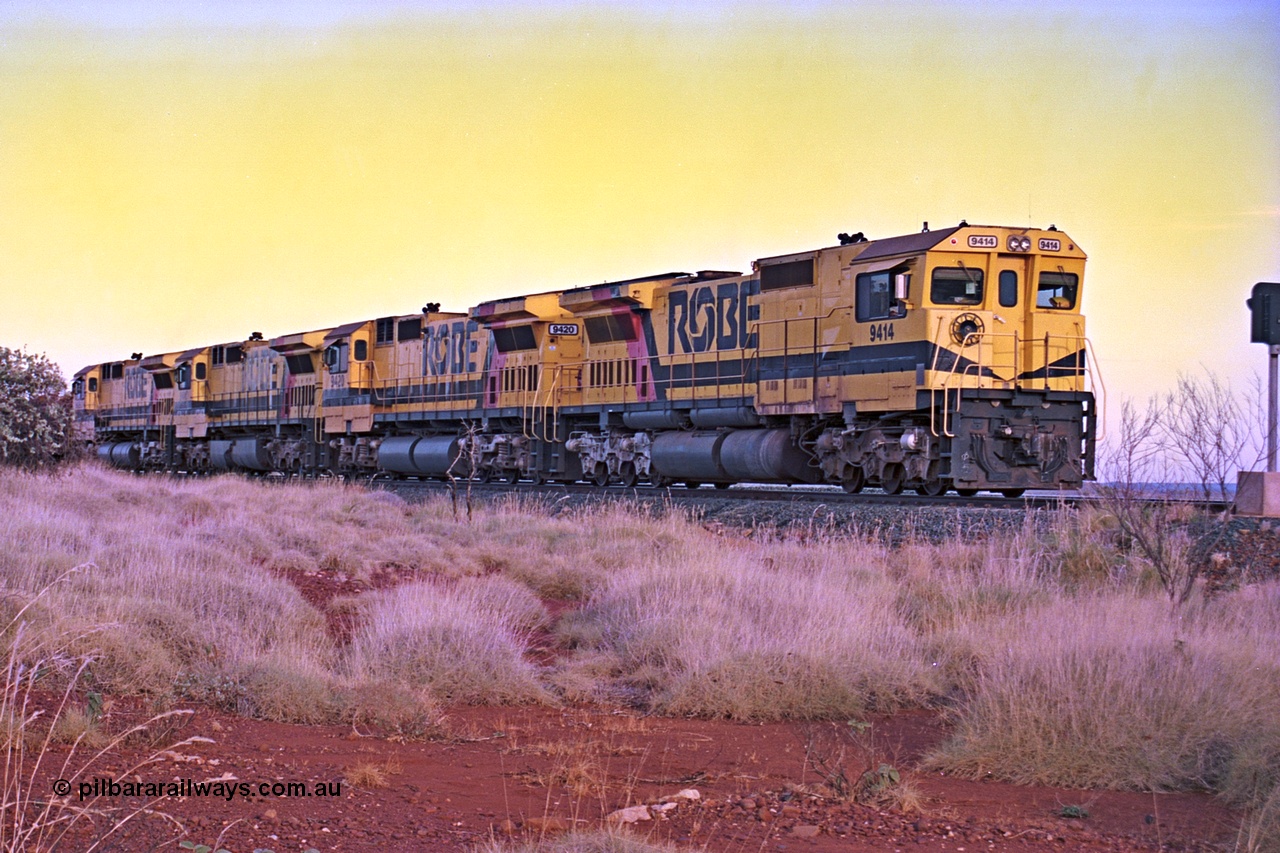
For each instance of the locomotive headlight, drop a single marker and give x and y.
(1019, 244)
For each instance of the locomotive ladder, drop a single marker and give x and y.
(536, 415)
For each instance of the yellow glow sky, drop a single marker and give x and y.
(183, 173)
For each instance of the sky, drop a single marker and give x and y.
(188, 172)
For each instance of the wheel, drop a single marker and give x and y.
(657, 481)
(932, 488)
(723, 486)
(600, 475)
(628, 475)
(853, 480)
(893, 478)
(538, 478)
(966, 493)
(511, 476)
(692, 484)
(1012, 493)
(486, 475)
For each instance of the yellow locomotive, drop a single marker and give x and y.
(953, 358)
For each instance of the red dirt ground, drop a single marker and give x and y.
(530, 771)
(526, 771)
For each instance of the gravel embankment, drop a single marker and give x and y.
(1248, 549)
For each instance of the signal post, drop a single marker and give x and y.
(1258, 493)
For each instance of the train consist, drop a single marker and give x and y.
(948, 359)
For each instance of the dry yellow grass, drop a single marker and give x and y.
(462, 641)
(758, 634)
(1058, 659)
(598, 841)
(371, 774)
(1115, 691)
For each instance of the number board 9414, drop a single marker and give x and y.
(881, 332)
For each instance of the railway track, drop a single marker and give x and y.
(778, 494)
(810, 495)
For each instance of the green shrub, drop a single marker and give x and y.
(37, 425)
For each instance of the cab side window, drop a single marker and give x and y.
(1057, 290)
(874, 298)
(956, 286)
(335, 358)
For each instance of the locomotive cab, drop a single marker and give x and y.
(965, 365)
(191, 379)
(530, 373)
(614, 370)
(347, 358)
(84, 401)
(190, 401)
(1008, 313)
(225, 375)
(347, 381)
(526, 359)
(359, 357)
(124, 414)
(124, 394)
(1010, 389)
(161, 369)
(302, 357)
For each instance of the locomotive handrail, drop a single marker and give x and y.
(634, 374)
(454, 390)
(241, 408)
(530, 404)
(522, 397)
(553, 401)
(1096, 381)
(977, 368)
(943, 429)
(787, 351)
